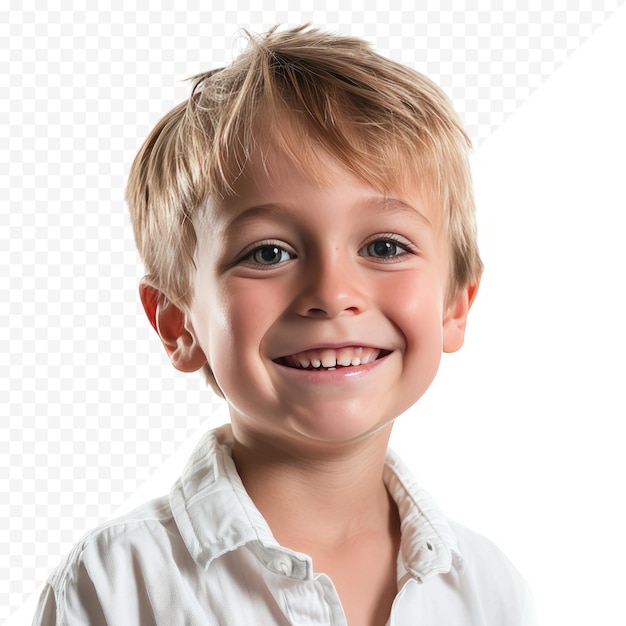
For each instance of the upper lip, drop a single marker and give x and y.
(331, 346)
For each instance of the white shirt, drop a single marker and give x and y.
(205, 556)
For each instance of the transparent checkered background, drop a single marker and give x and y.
(89, 405)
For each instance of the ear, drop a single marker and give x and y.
(173, 328)
(455, 318)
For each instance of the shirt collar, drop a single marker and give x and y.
(215, 515)
(428, 545)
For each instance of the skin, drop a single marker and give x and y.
(288, 265)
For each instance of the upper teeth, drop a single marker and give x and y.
(329, 357)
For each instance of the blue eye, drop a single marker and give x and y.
(269, 255)
(384, 249)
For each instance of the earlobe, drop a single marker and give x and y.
(455, 318)
(173, 328)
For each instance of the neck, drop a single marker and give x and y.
(317, 499)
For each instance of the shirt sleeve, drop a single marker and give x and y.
(70, 599)
(46, 613)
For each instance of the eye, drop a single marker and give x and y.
(384, 249)
(268, 255)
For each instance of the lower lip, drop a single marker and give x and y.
(340, 374)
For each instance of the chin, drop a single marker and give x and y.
(334, 430)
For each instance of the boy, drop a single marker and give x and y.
(307, 223)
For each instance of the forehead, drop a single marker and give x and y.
(276, 188)
(286, 159)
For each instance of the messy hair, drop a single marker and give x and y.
(310, 94)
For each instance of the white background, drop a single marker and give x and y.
(520, 437)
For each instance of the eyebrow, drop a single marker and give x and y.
(257, 211)
(397, 206)
(393, 206)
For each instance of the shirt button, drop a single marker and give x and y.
(281, 565)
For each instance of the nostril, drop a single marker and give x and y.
(317, 312)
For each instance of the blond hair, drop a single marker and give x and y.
(314, 94)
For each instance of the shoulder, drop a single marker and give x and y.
(149, 562)
(110, 566)
(489, 575)
(481, 556)
(136, 532)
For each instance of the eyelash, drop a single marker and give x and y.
(402, 246)
(248, 257)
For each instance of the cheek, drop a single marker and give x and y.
(416, 309)
(237, 319)
(415, 301)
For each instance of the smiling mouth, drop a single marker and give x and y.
(331, 358)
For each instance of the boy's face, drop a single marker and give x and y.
(291, 274)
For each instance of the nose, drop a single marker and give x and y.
(330, 287)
